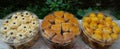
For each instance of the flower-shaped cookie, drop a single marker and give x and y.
(21, 27)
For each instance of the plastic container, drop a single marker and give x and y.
(99, 37)
(20, 29)
(60, 30)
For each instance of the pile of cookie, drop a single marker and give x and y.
(19, 28)
(60, 27)
(101, 27)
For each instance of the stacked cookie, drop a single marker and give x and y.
(20, 28)
(101, 27)
(60, 27)
(99, 30)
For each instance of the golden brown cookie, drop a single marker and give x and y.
(60, 27)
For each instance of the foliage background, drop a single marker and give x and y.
(44, 7)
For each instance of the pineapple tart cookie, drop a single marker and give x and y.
(60, 27)
(19, 28)
(101, 28)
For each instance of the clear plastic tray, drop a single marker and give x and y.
(93, 42)
(27, 39)
(57, 45)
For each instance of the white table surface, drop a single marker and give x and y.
(79, 43)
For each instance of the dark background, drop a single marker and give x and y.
(43, 7)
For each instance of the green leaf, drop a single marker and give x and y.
(49, 1)
(60, 1)
(88, 10)
(81, 12)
